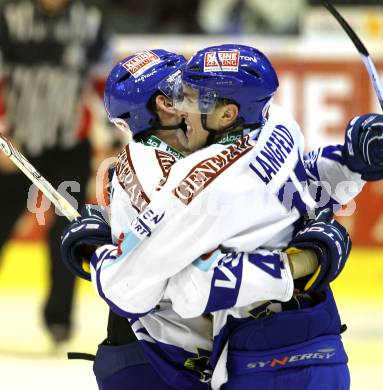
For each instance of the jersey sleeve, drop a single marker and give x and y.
(230, 280)
(162, 241)
(332, 184)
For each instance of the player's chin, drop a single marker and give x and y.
(182, 139)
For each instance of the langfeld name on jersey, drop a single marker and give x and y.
(205, 172)
(273, 154)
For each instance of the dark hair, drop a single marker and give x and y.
(142, 137)
(151, 105)
(155, 123)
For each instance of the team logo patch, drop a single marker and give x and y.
(225, 61)
(141, 62)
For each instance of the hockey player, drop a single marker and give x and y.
(264, 165)
(132, 91)
(151, 166)
(175, 350)
(187, 200)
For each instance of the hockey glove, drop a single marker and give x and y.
(330, 242)
(363, 147)
(82, 237)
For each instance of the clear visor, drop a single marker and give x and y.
(188, 98)
(166, 86)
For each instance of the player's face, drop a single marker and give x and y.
(196, 135)
(170, 117)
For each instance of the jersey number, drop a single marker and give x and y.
(290, 194)
(271, 264)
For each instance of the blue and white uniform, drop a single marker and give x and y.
(172, 342)
(246, 196)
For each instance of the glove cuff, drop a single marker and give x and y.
(317, 247)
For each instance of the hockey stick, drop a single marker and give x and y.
(368, 63)
(30, 171)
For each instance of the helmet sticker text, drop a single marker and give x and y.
(224, 61)
(141, 62)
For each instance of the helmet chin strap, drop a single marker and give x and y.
(239, 122)
(181, 125)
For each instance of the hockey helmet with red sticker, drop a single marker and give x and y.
(237, 73)
(133, 82)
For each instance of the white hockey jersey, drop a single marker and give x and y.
(178, 348)
(244, 196)
(141, 171)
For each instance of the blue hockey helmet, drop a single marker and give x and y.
(131, 84)
(237, 73)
